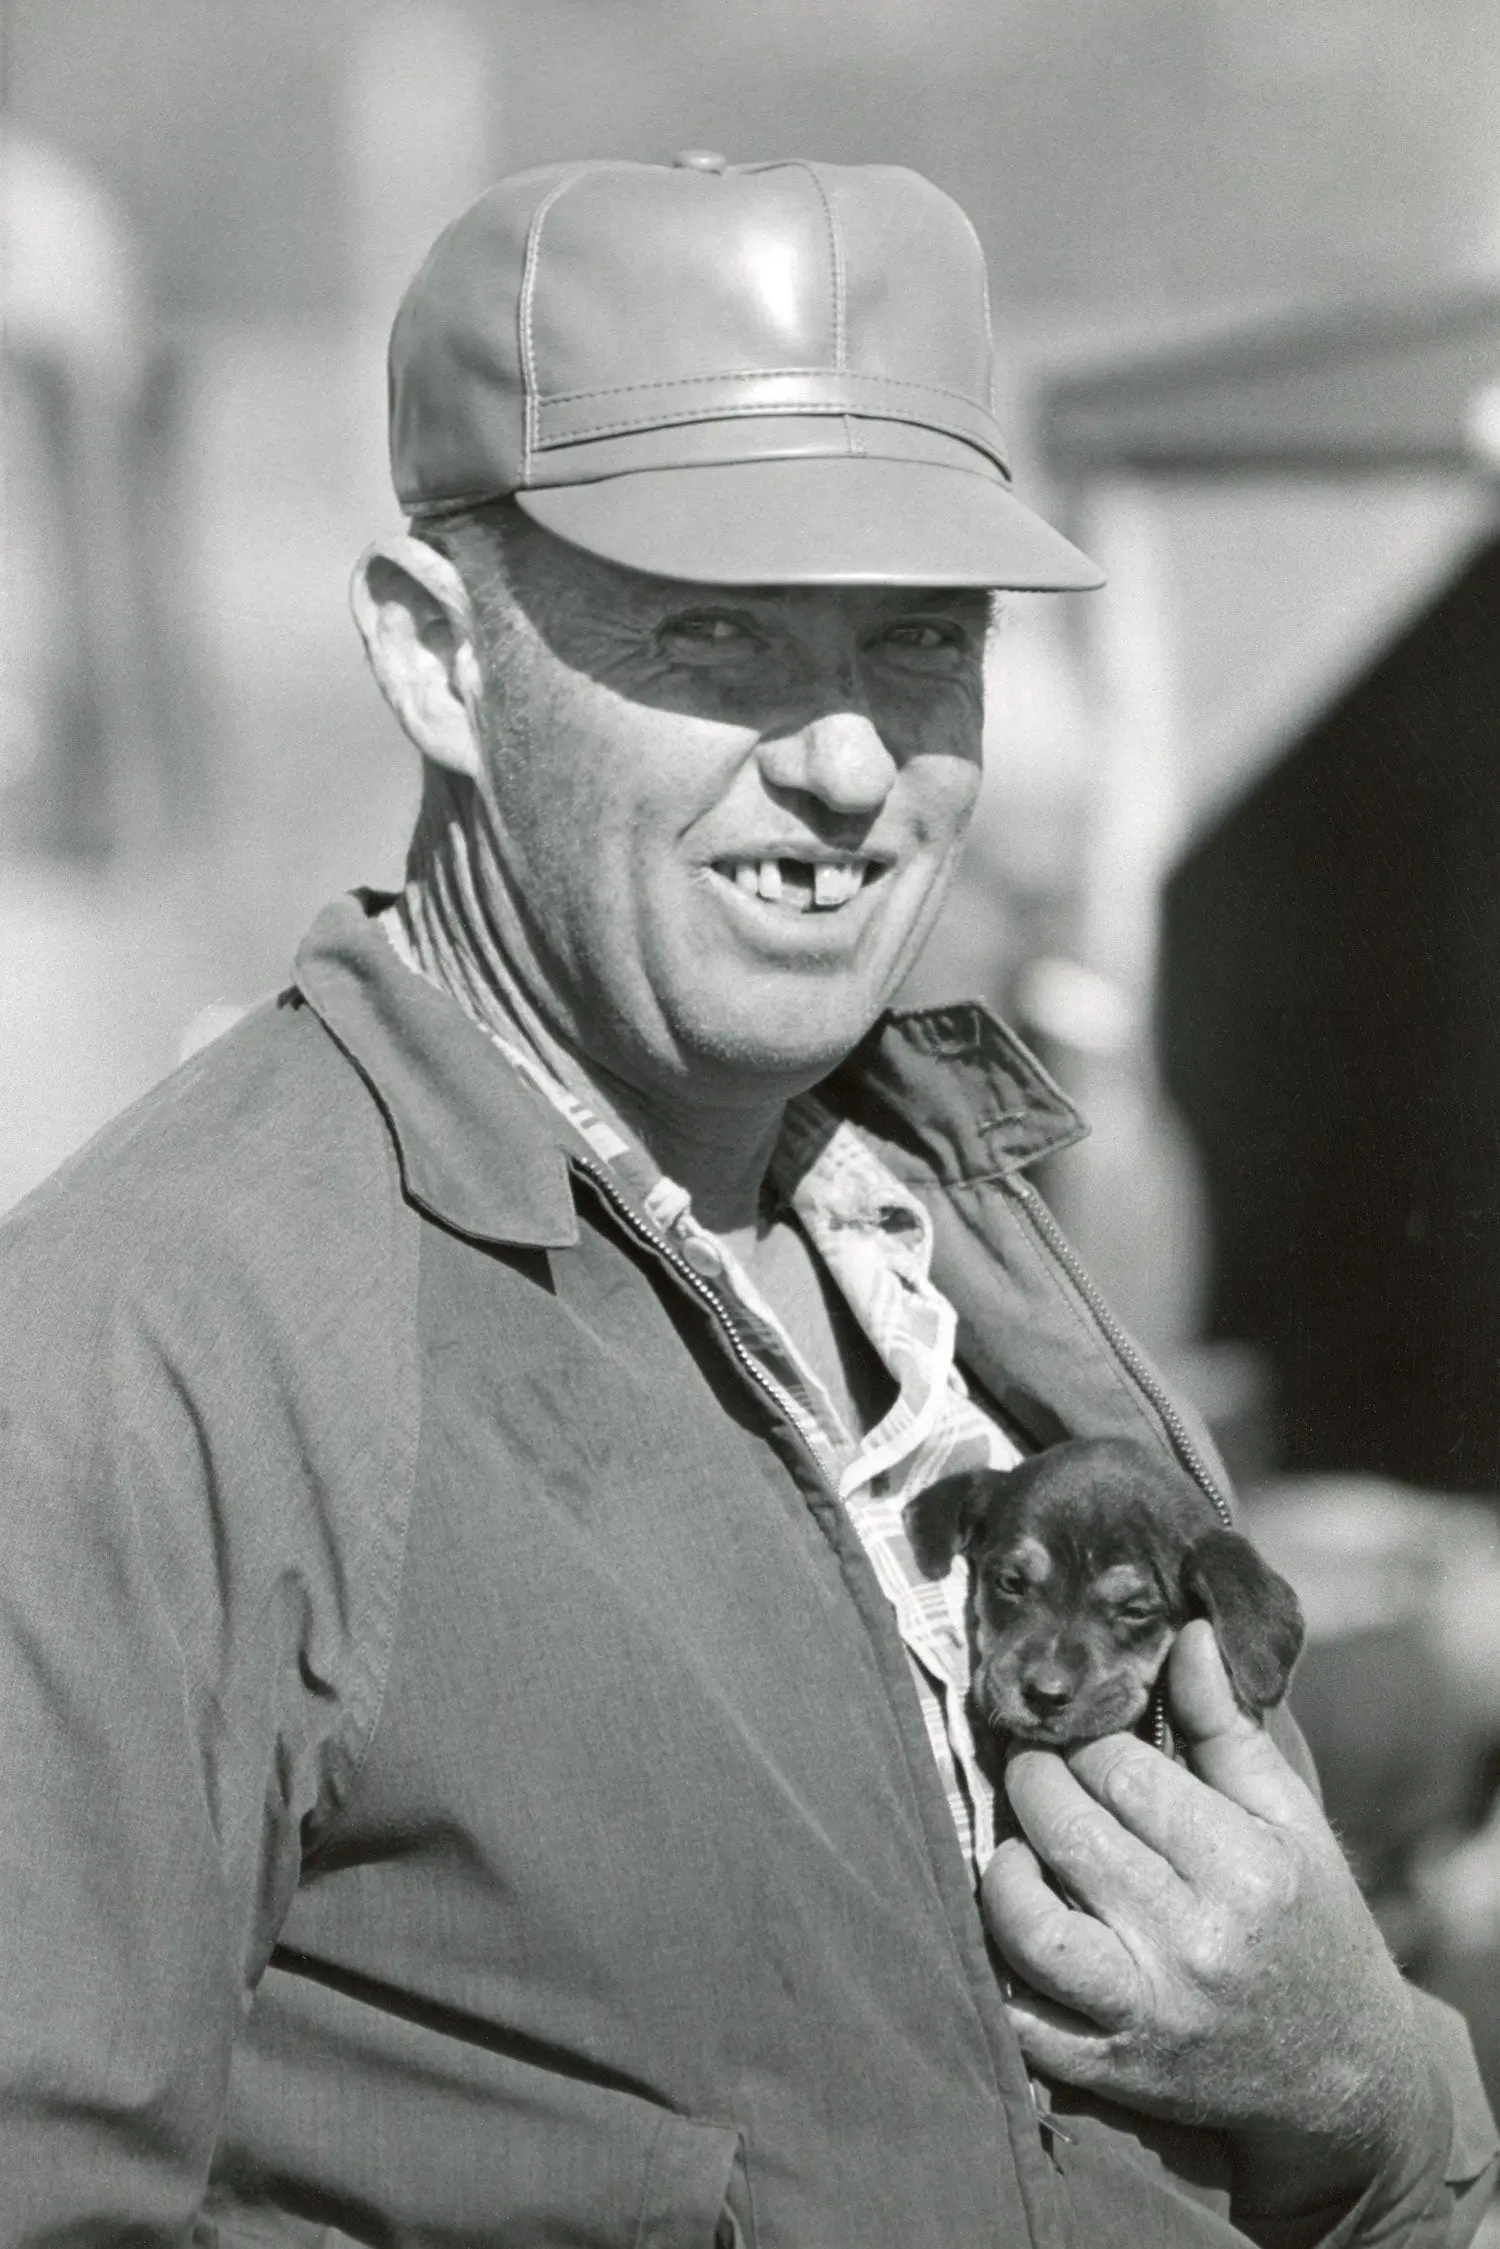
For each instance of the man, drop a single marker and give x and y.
(481, 1765)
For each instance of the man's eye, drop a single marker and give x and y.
(1139, 1612)
(925, 635)
(708, 629)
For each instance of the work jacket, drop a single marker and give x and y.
(463, 1784)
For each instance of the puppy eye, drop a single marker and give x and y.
(1139, 1612)
(1008, 1583)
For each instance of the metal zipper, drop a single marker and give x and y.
(1063, 1250)
(782, 1399)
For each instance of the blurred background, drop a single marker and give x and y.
(1235, 869)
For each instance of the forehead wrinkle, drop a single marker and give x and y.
(645, 590)
(534, 554)
(885, 596)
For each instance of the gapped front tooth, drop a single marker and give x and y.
(835, 886)
(747, 876)
(769, 883)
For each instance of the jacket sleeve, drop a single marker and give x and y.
(118, 1951)
(1436, 2185)
(188, 1667)
(1471, 2168)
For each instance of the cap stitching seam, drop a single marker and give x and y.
(946, 428)
(836, 254)
(743, 374)
(852, 445)
(989, 324)
(475, 498)
(528, 346)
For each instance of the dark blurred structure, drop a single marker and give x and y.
(1330, 959)
(1330, 1003)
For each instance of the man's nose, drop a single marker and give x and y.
(837, 757)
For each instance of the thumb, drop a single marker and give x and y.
(1225, 1746)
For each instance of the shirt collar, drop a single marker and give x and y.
(945, 1094)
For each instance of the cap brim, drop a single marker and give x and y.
(829, 520)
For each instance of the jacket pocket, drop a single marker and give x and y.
(697, 2189)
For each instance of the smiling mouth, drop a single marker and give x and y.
(801, 886)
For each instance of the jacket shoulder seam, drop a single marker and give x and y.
(397, 1485)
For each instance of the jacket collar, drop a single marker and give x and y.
(477, 1147)
(947, 1094)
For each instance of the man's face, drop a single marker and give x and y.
(725, 816)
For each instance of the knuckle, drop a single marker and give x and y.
(1260, 1880)
(1267, 1885)
(1075, 1838)
(1205, 1949)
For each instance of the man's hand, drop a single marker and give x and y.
(1217, 1963)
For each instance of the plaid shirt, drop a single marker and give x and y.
(875, 1239)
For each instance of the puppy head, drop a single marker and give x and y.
(1085, 1562)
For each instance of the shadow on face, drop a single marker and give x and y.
(772, 656)
(720, 818)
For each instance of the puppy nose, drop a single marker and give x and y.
(1046, 1692)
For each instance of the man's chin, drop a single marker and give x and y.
(794, 1044)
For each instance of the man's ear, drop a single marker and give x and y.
(412, 610)
(1257, 1618)
(941, 1520)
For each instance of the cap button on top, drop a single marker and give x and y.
(699, 160)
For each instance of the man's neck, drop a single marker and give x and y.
(719, 1152)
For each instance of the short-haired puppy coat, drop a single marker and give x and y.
(1084, 1563)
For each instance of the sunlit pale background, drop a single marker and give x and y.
(1236, 865)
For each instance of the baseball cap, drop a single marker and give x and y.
(751, 374)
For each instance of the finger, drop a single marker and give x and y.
(1060, 2043)
(1174, 1814)
(1066, 1955)
(1227, 1747)
(1116, 1874)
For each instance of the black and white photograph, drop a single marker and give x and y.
(749, 1124)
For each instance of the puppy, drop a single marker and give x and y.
(1084, 1562)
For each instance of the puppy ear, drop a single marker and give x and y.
(1257, 1618)
(941, 1520)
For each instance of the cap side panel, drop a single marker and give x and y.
(455, 403)
(916, 285)
(681, 274)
